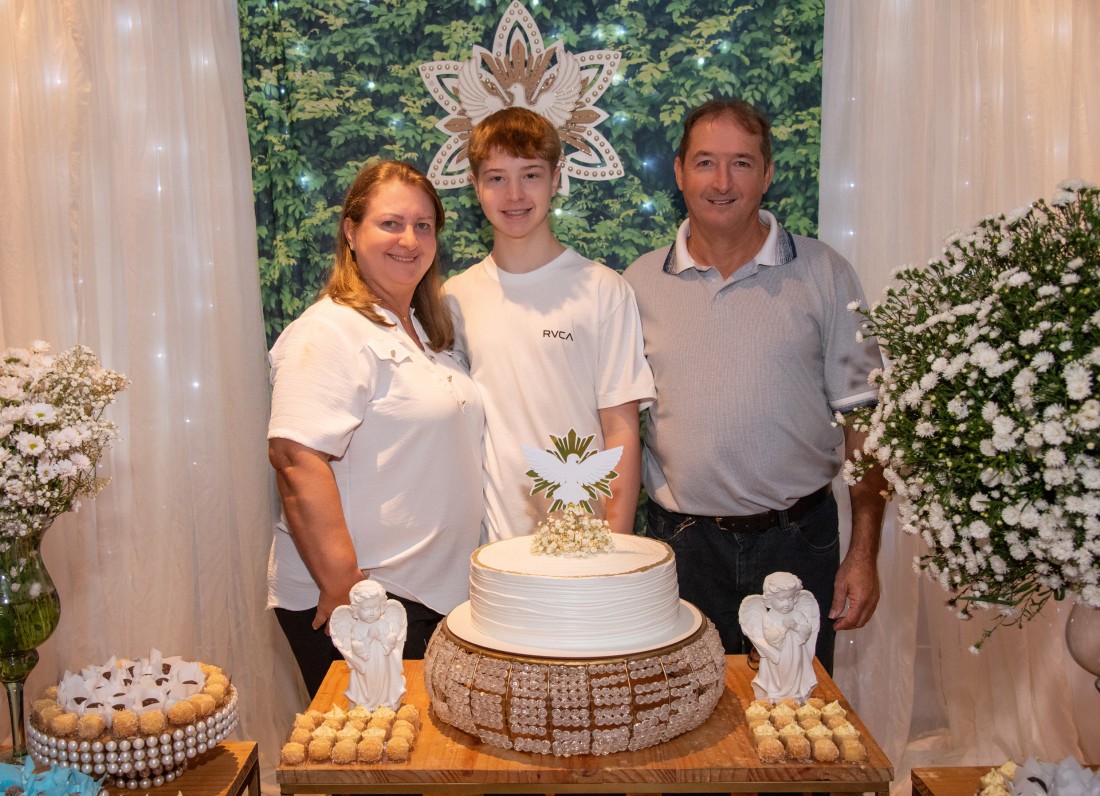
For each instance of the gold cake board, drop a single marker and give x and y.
(568, 706)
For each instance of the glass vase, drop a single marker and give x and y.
(1083, 638)
(29, 612)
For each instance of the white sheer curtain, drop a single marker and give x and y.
(935, 114)
(126, 223)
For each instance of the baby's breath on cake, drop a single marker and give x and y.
(571, 533)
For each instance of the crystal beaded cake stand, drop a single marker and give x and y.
(572, 706)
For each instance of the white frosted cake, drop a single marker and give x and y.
(574, 639)
(571, 655)
(623, 599)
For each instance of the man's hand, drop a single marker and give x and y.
(857, 587)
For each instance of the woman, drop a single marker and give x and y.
(375, 431)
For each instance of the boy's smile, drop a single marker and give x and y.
(515, 193)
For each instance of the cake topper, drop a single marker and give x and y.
(782, 624)
(572, 473)
(370, 634)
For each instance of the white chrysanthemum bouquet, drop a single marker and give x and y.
(52, 433)
(987, 424)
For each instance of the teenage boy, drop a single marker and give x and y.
(553, 340)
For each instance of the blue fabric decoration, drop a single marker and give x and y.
(54, 781)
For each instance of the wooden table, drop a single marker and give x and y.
(228, 769)
(948, 781)
(716, 756)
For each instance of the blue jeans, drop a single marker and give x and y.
(717, 569)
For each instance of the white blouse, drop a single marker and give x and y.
(403, 427)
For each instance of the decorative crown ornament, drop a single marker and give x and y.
(520, 71)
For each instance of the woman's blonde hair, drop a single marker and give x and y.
(346, 285)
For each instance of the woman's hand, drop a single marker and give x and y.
(332, 596)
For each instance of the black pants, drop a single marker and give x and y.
(315, 652)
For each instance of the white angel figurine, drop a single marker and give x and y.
(370, 634)
(782, 624)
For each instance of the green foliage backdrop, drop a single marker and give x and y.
(331, 84)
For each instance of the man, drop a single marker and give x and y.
(753, 350)
(552, 339)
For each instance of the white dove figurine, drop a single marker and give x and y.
(572, 475)
(555, 96)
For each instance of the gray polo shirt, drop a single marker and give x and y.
(749, 372)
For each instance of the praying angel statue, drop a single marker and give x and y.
(370, 634)
(782, 624)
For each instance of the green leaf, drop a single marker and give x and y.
(332, 84)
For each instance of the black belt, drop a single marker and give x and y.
(758, 523)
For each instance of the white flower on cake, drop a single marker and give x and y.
(573, 534)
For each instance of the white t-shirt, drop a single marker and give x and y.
(548, 349)
(404, 429)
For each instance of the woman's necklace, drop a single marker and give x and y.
(387, 305)
(406, 322)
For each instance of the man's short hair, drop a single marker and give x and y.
(747, 115)
(515, 131)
